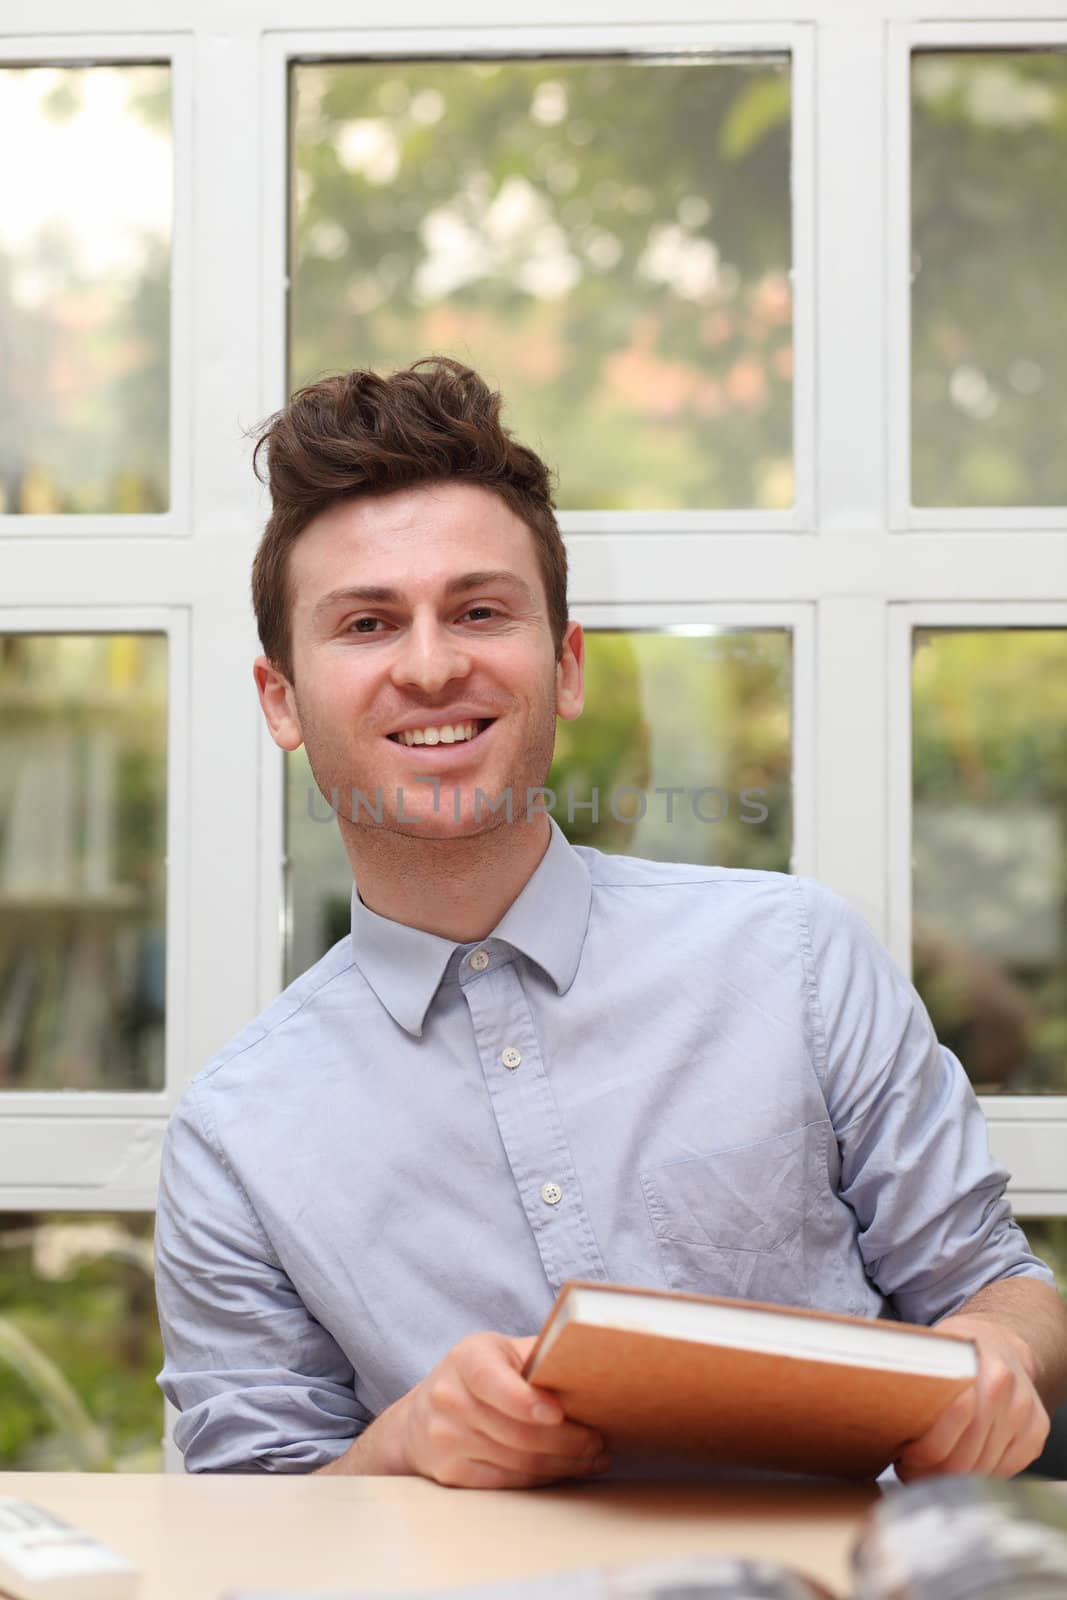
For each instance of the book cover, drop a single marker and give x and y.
(803, 1392)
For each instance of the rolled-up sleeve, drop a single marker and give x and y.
(260, 1384)
(935, 1225)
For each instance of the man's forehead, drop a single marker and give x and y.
(416, 510)
(440, 539)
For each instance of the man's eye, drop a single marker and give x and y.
(363, 625)
(480, 612)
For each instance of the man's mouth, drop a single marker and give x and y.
(443, 733)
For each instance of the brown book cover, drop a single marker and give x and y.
(734, 1405)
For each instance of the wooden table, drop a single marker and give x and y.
(196, 1537)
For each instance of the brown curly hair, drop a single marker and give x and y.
(359, 434)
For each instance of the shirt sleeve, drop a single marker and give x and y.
(935, 1225)
(260, 1384)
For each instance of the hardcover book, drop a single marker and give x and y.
(744, 1384)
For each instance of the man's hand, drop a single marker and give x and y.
(998, 1425)
(475, 1423)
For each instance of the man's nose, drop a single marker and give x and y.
(431, 656)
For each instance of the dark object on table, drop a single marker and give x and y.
(1052, 1462)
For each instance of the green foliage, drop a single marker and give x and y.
(989, 712)
(763, 107)
(989, 297)
(690, 712)
(563, 226)
(78, 1353)
(85, 379)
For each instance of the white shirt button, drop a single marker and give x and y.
(510, 1058)
(480, 960)
(551, 1194)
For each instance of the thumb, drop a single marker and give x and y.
(520, 1349)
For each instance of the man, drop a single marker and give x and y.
(528, 1062)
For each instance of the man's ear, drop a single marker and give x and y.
(279, 704)
(570, 674)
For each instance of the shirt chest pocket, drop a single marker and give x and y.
(735, 1222)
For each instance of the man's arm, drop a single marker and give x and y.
(999, 1425)
(260, 1384)
(934, 1225)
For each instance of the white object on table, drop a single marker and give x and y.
(44, 1558)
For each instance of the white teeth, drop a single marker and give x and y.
(448, 734)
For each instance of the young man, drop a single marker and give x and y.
(529, 1062)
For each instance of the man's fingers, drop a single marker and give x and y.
(545, 1468)
(566, 1440)
(1025, 1446)
(940, 1439)
(490, 1371)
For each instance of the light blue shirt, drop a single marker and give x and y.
(684, 1077)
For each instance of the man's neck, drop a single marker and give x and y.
(456, 888)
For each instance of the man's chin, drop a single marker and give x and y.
(450, 822)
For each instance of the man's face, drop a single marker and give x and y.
(414, 613)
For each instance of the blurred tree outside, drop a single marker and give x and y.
(85, 290)
(989, 293)
(705, 711)
(79, 1344)
(990, 850)
(607, 240)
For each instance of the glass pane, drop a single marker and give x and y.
(989, 869)
(83, 780)
(85, 230)
(704, 712)
(699, 709)
(989, 264)
(608, 241)
(79, 1344)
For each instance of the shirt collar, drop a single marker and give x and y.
(547, 922)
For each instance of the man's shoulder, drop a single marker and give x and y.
(276, 1036)
(802, 907)
(639, 873)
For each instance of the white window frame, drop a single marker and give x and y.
(837, 563)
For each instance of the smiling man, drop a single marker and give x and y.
(529, 1062)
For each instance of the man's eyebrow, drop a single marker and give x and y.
(375, 595)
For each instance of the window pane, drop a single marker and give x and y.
(608, 241)
(83, 774)
(989, 296)
(703, 711)
(989, 869)
(79, 1344)
(85, 229)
